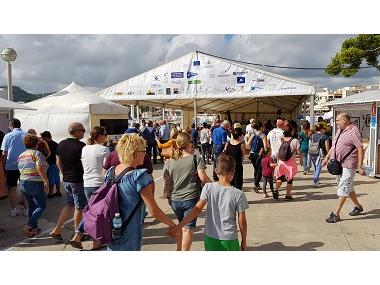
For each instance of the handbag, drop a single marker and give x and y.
(198, 183)
(334, 166)
(167, 152)
(168, 185)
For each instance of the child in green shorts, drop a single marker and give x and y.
(224, 203)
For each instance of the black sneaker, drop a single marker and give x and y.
(288, 198)
(57, 194)
(333, 218)
(50, 196)
(275, 195)
(356, 211)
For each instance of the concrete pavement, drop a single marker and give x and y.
(272, 225)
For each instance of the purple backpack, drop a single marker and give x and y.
(102, 207)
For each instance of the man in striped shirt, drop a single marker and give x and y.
(347, 140)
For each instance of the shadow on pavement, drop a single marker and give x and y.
(373, 214)
(158, 236)
(308, 196)
(279, 246)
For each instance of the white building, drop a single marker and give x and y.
(328, 95)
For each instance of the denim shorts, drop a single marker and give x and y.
(88, 191)
(182, 208)
(53, 174)
(75, 196)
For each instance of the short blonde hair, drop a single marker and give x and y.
(128, 145)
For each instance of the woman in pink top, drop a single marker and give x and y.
(286, 170)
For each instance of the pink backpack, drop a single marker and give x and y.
(102, 207)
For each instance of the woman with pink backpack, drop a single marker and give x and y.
(286, 168)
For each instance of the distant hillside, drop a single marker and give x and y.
(20, 95)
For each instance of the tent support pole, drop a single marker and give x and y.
(304, 110)
(195, 112)
(163, 111)
(138, 111)
(182, 119)
(311, 106)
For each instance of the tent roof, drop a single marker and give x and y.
(218, 84)
(359, 98)
(6, 106)
(76, 99)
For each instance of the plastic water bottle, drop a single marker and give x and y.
(116, 227)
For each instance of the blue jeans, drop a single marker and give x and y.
(88, 192)
(36, 197)
(218, 149)
(256, 163)
(305, 159)
(317, 163)
(182, 208)
(75, 196)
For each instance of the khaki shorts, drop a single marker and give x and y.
(345, 182)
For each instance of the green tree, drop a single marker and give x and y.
(352, 53)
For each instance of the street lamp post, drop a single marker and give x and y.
(9, 55)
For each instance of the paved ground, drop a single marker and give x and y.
(272, 225)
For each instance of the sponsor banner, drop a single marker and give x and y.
(177, 82)
(240, 79)
(197, 81)
(168, 91)
(175, 91)
(177, 75)
(191, 74)
(239, 72)
(150, 92)
(196, 63)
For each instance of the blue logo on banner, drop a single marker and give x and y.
(191, 74)
(177, 74)
(196, 62)
(240, 79)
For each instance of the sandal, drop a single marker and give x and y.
(56, 236)
(76, 244)
(36, 231)
(100, 247)
(28, 231)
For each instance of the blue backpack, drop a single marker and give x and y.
(257, 144)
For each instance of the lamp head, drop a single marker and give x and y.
(9, 54)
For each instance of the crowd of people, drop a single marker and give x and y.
(36, 163)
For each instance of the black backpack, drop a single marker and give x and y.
(285, 153)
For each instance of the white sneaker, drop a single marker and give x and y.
(26, 212)
(317, 185)
(14, 212)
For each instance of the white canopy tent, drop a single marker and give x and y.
(207, 83)
(71, 104)
(5, 107)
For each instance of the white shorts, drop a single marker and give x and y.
(345, 182)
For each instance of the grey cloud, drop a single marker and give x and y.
(49, 62)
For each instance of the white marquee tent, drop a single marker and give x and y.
(207, 83)
(71, 104)
(5, 107)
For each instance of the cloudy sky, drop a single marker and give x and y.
(47, 63)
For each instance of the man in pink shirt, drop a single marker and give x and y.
(347, 140)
